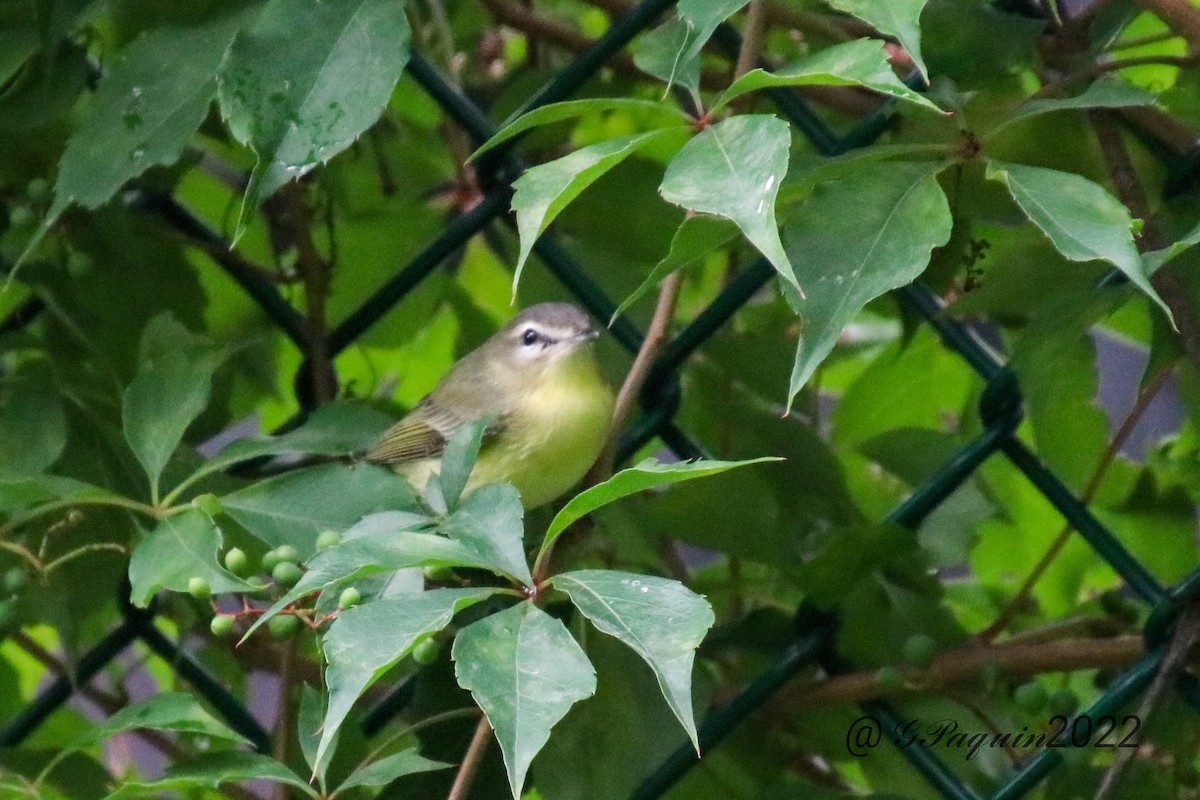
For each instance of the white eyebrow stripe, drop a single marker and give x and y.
(554, 333)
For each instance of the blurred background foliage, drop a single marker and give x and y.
(154, 219)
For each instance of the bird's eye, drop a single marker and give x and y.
(529, 337)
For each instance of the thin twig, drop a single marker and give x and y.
(1019, 600)
(471, 761)
(1178, 15)
(292, 221)
(1131, 42)
(752, 38)
(656, 337)
(283, 721)
(964, 664)
(1098, 68)
(1187, 632)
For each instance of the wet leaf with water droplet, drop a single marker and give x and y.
(147, 107)
(733, 169)
(525, 671)
(662, 620)
(854, 240)
(306, 80)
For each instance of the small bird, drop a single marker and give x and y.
(538, 380)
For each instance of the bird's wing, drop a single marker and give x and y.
(422, 433)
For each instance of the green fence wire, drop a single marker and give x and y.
(1000, 411)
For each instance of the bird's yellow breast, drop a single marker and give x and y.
(553, 434)
(555, 426)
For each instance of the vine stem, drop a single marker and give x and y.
(1018, 601)
(635, 380)
(1098, 68)
(752, 38)
(471, 761)
(61, 505)
(964, 664)
(1178, 15)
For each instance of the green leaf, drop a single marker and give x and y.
(525, 671)
(695, 240)
(336, 428)
(660, 53)
(733, 169)
(305, 80)
(648, 474)
(702, 18)
(366, 641)
(857, 238)
(899, 18)
(570, 109)
(180, 547)
(295, 507)
(542, 192)
(1156, 259)
(489, 524)
(308, 732)
(1101, 94)
(147, 107)
(626, 730)
(389, 768)
(29, 491)
(18, 39)
(662, 620)
(169, 391)
(862, 62)
(387, 545)
(30, 413)
(1081, 219)
(169, 711)
(462, 448)
(212, 770)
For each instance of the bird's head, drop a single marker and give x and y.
(543, 337)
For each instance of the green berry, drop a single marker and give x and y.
(287, 553)
(426, 652)
(22, 217)
(236, 562)
(1030, 696)
(15, 580)
(889, 678)
(208, 503)
(328, 539)
(283, 626)
(270, 559)
(439, 574)
(285, 573)
(919, 650)
(221, 626)
(1063, 701)
(349, 598)
(199, 588)
(38, 191)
